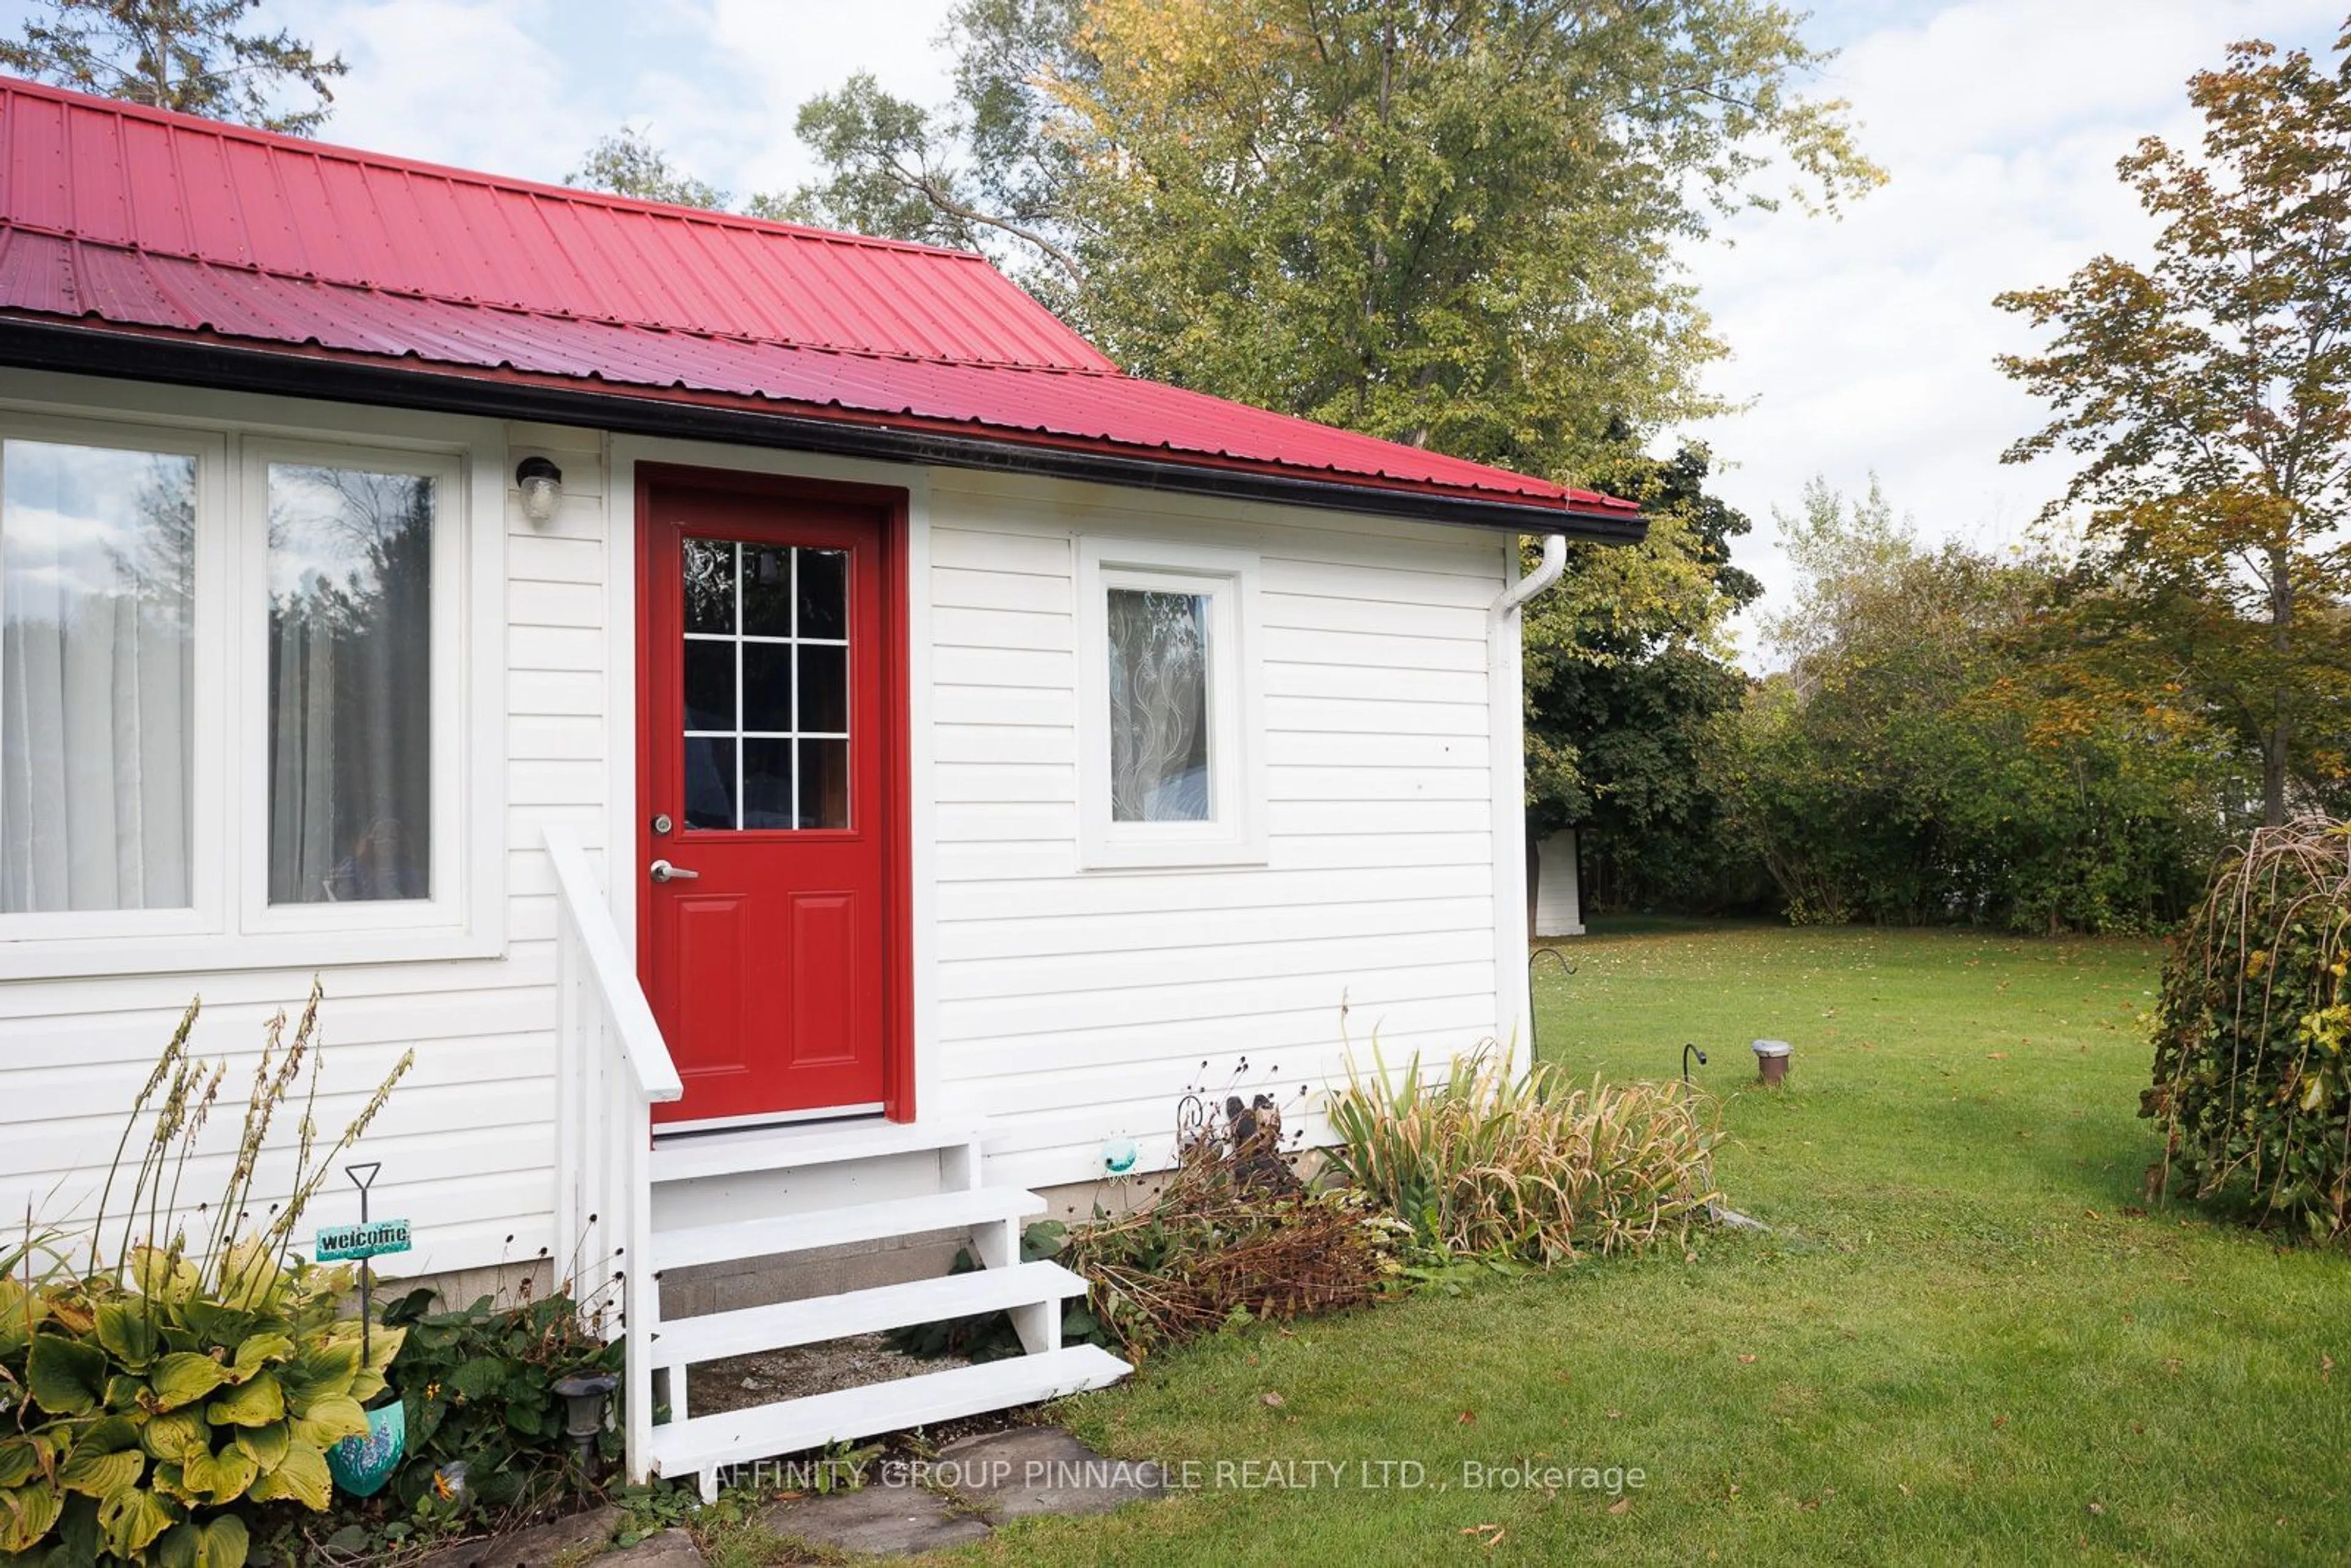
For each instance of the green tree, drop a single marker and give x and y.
(191, 55)
(2209, 392)
(1626, 677)
(627, 164)
(1452, 223)
(1923, 758)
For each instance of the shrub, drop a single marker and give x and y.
(1484, 1165)
(152, 1397)
(2252, 1085)
(1210, 1252)
(479, 1386)
(1232, 1235)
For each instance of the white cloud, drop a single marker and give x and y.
(524, 86)
(775, 58)
(469, 82)
(1868, 344)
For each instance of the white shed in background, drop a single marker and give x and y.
(1559, 896)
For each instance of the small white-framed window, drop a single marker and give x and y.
(238, 717)
(1171, 755)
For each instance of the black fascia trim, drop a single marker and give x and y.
(83, 351)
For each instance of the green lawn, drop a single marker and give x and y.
(1960, 1341)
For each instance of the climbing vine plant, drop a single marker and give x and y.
(2252, 1084)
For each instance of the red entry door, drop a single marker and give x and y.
(764, 838)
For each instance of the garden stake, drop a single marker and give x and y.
(367, 1265)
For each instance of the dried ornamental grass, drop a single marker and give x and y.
(2253, 1083)
(1483, 1164)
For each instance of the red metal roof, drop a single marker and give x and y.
(165, 223)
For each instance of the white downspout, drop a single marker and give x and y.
(1555, 562)
(1508, 761)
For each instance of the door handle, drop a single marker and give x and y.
(665, 872)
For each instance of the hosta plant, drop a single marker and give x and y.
(155, 1393)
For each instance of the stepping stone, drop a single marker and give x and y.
(670, 1549)
(1026, 1470)
(879, 1521)
(575, 1537)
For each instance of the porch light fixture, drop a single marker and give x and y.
(542, 489)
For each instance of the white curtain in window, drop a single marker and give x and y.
(97, 568)
(1158, 707)
(350, 674)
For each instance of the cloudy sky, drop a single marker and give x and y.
(1860, 345)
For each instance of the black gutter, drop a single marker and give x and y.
(187, 362)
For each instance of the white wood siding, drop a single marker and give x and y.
(1070, 1006)
(1075, 1006)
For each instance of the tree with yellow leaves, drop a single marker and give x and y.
(2210, 393)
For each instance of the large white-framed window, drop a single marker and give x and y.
(1171, 769)
(112, 753)
(349, 623)
(238, 720)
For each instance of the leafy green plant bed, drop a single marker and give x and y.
(167, 1399)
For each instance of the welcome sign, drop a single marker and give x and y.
(371, 1238)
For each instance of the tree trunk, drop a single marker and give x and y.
(2280, 735)
(1534, 879)
(2274, 750)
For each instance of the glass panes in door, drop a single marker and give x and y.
(766, 686)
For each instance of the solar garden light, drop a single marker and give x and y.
(584, 1395)
(542, 489)
(1771, 1061)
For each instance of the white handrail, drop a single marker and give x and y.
(612, 1066)
(641, 1042)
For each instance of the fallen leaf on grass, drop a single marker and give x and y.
(1746, 1360)
(1275, 1401)
(1616, 1414)
(1902, 1486)
(1466, 1418)
(2326, 1367)
(2097, 1508)
(1999, 1056)
(1621, 1505)
(1998, 1422)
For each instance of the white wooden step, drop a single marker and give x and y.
(959, 1209)
(687, 1156)
(683, 1341)
(764, 1431)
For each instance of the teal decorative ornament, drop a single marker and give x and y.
(1118, 1156)
(361, 1465)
